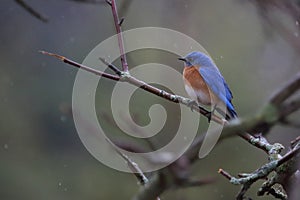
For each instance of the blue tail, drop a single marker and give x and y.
(231, 110)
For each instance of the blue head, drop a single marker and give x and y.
(197, 59)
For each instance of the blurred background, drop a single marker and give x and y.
(41, 155)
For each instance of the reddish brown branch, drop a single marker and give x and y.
(80, 66)
(232, 130)
(126, 77)
(118, 24)
(225, 174)
(112, 67)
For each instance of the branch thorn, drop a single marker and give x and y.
(121, 21)
(108, 2)
(111, 66)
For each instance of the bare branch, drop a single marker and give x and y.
(286, 91)
(289, 155)
(80, 66)
(108, 2)
(120, 35)
(293, 143)
(197, 182)
(132, 165)
(90, 1)
(30, 10)
(121, 21)
(275, 111)
(126, 77)
(230, 130)
(290, 107)
(283, 166)
(225, 174)
(112, 67)
(155, 187)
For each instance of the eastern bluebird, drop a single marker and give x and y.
(205, 84)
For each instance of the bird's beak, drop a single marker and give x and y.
(183, 59)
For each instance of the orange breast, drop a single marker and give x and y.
(193, 79)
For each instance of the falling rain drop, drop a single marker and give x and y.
(63, 118)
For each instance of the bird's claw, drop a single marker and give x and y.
(208, 115)
(192, 103)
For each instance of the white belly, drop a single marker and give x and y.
(198, 95)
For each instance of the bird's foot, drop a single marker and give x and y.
(208, 115)
(192, 103)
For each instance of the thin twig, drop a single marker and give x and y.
(125, 77)
(293, 143)
(30, 10)
(288, 156)
(80, 66)
(290, 107)
(197, 182)
(132, 165)
(233, 129)
(117, 21)
(225, 174)
(154, 188)
(262, 172)
(286, 91)
(121, 21)
(108, 2)
(90, 1)
(111, 66)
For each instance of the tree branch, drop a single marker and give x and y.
(126, 77)
(80, 66)
(154, 188)
(118, 24)
(276, 164)
(30, 10)
(132, 165)
(275, 111)
(90, 1)
(286, 91)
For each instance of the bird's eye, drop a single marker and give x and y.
(188, 63)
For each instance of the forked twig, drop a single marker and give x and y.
(155, 186)
(248, 179)
(126, 77)
(80, 66)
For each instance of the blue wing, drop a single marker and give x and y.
(218, 86)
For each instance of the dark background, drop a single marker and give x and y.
(41, 155)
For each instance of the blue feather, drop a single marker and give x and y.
(219, 87)
(212, 77)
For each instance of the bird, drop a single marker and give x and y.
(205, 84)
